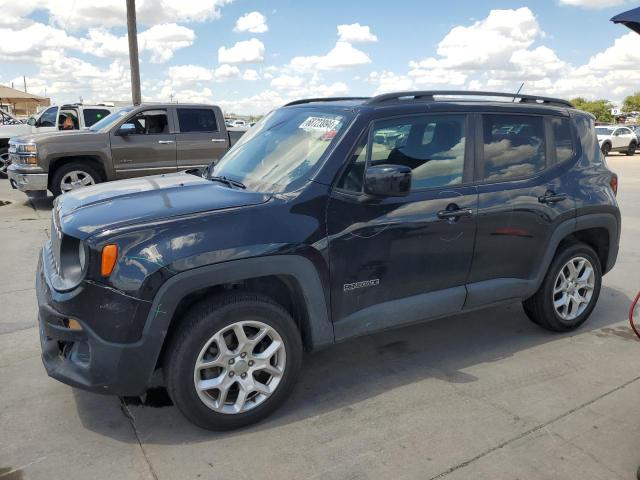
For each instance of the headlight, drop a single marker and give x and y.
(73, 261)
(26, 149)
(82, 255)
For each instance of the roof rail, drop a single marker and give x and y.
(326, 99)
(429, 94)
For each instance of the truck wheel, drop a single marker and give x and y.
(72, 176)
(4, 163)
(569, 292)
(632, 149)
(606, 149)
(233, 360)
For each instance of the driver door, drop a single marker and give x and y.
(396, 260)
(150, 150)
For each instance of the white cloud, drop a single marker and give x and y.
(249, 51)
(163, 40)
(389, 82)
(595, 4)
(342, 56)
(355, 33)
(253, 22)
(226, 72)
(27, 43)
(250, 75)
(287, 82)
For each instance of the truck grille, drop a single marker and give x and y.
(56, 241)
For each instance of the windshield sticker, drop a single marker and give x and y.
(320, 124)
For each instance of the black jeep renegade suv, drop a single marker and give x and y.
(331, 218)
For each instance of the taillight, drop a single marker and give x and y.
(614, 184)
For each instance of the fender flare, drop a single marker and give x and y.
(318, 324)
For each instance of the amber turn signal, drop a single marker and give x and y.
(109, 257)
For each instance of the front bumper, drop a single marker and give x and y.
(83, 358)
(27, 182)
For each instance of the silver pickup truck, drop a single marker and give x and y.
(132, 142)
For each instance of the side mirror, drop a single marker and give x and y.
(388, 180)
(126, 129)
(31, 121)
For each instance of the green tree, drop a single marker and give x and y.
(632, 103)
(601, 109)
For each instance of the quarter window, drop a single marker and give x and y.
(197, 120)
(352, 178)
(432, 146)
(514, 146)
(562, 137)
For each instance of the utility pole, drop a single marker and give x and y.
(24, 79)
(133, 52)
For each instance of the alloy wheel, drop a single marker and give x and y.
(240, 367)
(573, 288)
(76, 179)
(4, 164)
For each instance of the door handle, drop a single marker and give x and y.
(218, 140)
(166, 142)
(454, 212)
(550, 197)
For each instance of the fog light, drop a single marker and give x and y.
(72, 324)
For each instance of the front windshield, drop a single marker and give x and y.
(604, 131)
(109, 120)
(279, 153)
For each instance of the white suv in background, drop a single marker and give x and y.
(616, 138)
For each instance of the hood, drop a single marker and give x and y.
(107, 206)
(62, 135)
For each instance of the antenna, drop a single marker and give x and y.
(516, 95)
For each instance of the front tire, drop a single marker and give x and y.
(4, 164)
(233, 361)
(72, 176)
(569, 291)
(606, 149)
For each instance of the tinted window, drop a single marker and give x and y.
(150, 122)
(93, 115)
(513, 146)
(562, 137)
(432, 146)
(353, 176)
(197, 120)
(48, 118)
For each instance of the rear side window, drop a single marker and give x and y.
(562, 139)
(514, 146)
(197, 120)
(93, 115)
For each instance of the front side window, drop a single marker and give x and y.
(150, 122)
(562, 139)
(48, 118)
(197, 120)
(281, 152)
(107, 122)
(94, 115)
(604, 130)
(514, 146)
(433, 146)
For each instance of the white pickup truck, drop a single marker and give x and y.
(57, 117)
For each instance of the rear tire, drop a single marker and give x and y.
(562, 303)
(62, 179)
(244, 380)
(606, 149)
(632, 149)
(4, 163)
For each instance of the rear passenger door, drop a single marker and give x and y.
(150, 150)
(200, 138)
(524, 193)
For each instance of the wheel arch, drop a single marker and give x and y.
(290, 280)
(94, 160)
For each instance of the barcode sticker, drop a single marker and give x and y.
(319, 123)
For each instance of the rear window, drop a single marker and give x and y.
(562, 138)
(514, 146)
(94, 115)
(197, 120)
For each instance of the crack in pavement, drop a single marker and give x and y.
(127, 413)
(532, 430)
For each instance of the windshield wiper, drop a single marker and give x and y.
(230, 183)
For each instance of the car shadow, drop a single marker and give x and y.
(343, 375)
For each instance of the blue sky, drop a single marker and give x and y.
(274, 51)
